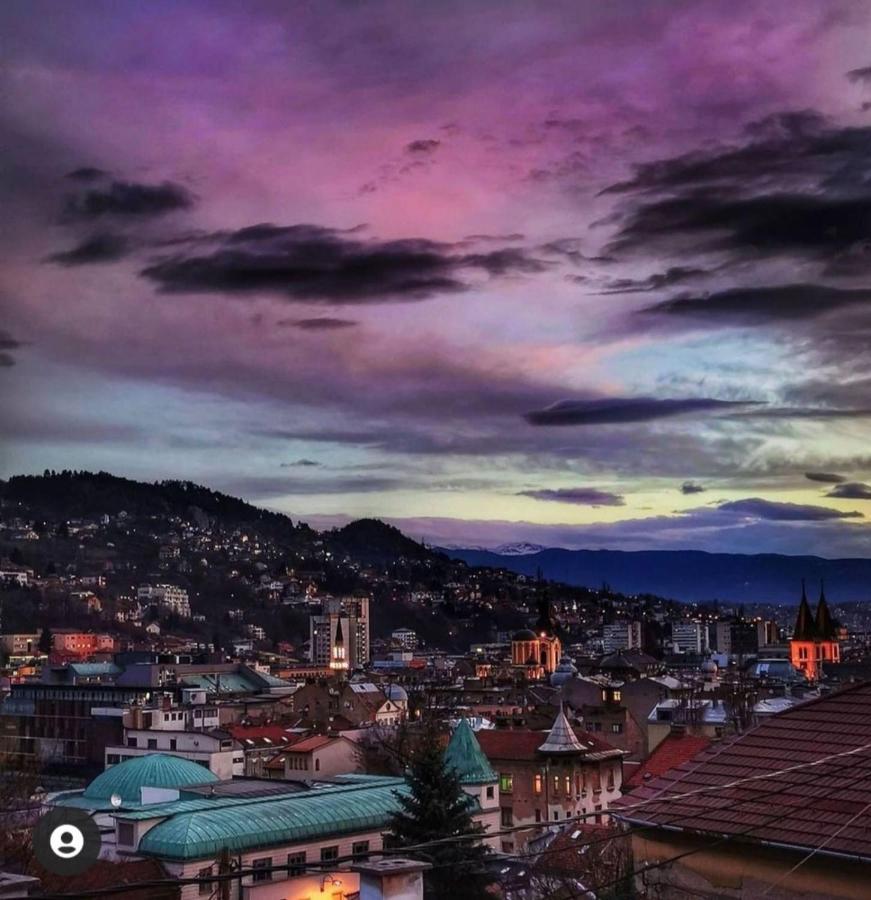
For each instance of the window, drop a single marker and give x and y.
(568, 785)
(507, 817)
(131, 742)
(112, 759)
(206, 882)
(538, 784)
(328, 854)
(360, 850)
(556, 785)
(617, 728)
(262, 868)
(126, 834)
(491, 792)
(295, 864)
(173, 744)
(538, 815)
(317, 765)
(152, 743)
(618, 696)
(506, 783)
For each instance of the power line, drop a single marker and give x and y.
(417, 848)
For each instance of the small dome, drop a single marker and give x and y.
(395, 692)
(709, 667)
(564, 672)
(157, 770)
(524, 635)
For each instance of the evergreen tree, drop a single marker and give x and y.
(438, 808)
(45, 641)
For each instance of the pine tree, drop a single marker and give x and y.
(438, 808)
(45, 640)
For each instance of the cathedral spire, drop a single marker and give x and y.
(805, 629)
(825, 627)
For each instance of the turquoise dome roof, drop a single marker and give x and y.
(156, 770)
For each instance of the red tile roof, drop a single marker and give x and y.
(523, 744)
(674, 750)
(278, 734)
(315, 742)
(804, 807)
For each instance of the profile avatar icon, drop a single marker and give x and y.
(66, 841)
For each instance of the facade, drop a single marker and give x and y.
(550, 777)
(291, 840)
(71, 644)
(621, 636)
(214, 750)
(168, 597)
(689, 637)
(318, 757)
(814, 640)
(20, 646)
(405, 638)
(339, 635)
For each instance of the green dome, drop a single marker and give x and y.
(156, 770)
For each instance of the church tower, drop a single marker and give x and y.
(814, 640)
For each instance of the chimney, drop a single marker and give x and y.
(391, 879)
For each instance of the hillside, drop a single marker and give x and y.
(689, 576)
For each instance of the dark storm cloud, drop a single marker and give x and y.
(858, 76)
(796, 186)
(428, 145)
(86, 173)
(300, 463)
(100, 248)
(622, 410)
(757, 508)
(690, 487)
(128, 199)
(784, 144)
(825, 477)
(851, 490)
(810, 226)
(658, 281)
(768, 303)
(579, 496)
(309, 262)
(319, 323)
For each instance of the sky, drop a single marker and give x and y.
(576, 273)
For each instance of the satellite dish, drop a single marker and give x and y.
(116, 800)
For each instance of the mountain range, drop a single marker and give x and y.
(688, 575)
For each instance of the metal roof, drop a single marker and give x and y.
(200, 829)
(464, 754)
(156, 770)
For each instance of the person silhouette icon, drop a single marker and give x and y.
(66, 841)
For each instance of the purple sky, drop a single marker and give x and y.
(582, 273)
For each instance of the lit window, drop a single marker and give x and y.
(539, 784)
(618, 696)
(506, 783)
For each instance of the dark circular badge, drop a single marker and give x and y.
(66, 841)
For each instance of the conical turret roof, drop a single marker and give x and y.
(825, 627)
(562, 738)
(805, 629)
(339, 639)
(465, 756)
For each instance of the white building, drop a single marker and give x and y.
(168, 597)
(406, 638)
(689, 637)
(339, 636)
(621, 636)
